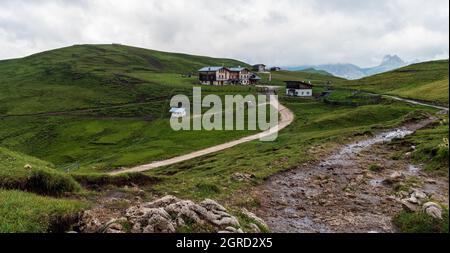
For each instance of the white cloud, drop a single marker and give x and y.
(276, 32)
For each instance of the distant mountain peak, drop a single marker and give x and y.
(392, 60)
(351, 71)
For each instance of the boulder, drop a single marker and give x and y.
(162, 202)
(432, 209)
(150, 220)
(168, 214)
(407, 206)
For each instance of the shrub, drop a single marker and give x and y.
(51, 183)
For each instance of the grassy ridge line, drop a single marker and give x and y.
(426, 81)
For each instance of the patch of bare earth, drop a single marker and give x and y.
(345, 192)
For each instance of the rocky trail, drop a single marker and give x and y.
(346, 192)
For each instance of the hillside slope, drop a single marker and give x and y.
(315, 71)
(423, 81)
(84, 76)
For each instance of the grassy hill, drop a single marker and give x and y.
(101, 106)
(315, 71)
(86, 76)
(424, 81)
(315, 78)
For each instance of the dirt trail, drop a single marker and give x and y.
(287, 117)
(410, 101)
(340, 193)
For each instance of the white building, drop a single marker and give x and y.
(178, 112)
(299, 89)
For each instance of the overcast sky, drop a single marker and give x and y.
(275, 32)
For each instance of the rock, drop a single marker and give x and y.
(432, 209)
(419, 195)
(162, 202)
(242, 177)
(89, 223)
(395, 177)
(407, 206)
(151, 220)
(430, 181)
(233, 230)
(169, 213)
(116, 226)
(114, 231)
(28, 167)
(413, 200)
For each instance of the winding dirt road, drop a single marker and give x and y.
(287, 117)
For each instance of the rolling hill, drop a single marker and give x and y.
(85, 76)
(315, 71)
(426, 81)
(100, 106)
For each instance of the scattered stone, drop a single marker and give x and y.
(242, 177)
(395, 177)
(89, 223)
(430, 181)
(407, 206)
(432, 209)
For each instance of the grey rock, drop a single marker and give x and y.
(432, 209)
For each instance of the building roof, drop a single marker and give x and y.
(255, 77)
(211, 68)
(238, 69)
(257, 65)
(298, 85)
(177, 110)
